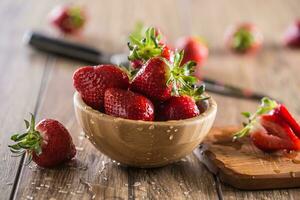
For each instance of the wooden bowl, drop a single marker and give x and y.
(141, 143)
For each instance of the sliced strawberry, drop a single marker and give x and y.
(91, 83)
(283, 112)
(127, 104)
(274, 134)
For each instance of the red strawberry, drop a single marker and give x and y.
(178, 107)
(271, 127)
(244, 38)
(292, 35)
(91, 83)
(274, 134)
(68, 19)
(157, 78)
(195, 50)
(142, 48)
(286, 116)
(127, 104)
(49, 144)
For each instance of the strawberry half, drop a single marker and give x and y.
(127, 104)
(158, 78)
(274, 134)
(49, 144)
(244, 38)
(68, 19)
(271, 127)
(91, 83)
(142, 48)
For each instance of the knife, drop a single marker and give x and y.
(93, 56)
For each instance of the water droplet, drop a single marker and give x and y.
(171, 137)
(29, 197)
(136, 184)
(92, 121)
(140, 128)
(186, 193)
(63, 191)
(79, 148)
(38, 188)
(168, 131)
(176, 130)
(47, 186)
(152, 183)
(151, 127)
(171, 127)
(293, 174)
(33, 183)
(105, 178)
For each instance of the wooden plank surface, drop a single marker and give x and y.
(242, 165)
(274, 70)
(21, 77)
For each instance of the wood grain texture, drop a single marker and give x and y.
(274, 70)
(20, 80)
(242, 165)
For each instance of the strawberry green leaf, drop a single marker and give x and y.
(29, 141)
(267, 105)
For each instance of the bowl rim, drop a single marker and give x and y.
(211, 110)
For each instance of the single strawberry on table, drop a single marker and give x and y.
(194, 49)
(92, 81)
(48, 144)
(127, 104)
(244, 38)
(68, 19)
(158, 77)
(292, 35)
(142, 48)
(272, 127)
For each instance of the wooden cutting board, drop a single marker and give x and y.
(241, 165)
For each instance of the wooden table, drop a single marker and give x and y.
(39, 83)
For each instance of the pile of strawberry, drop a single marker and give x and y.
(158, 86)
(271, 127)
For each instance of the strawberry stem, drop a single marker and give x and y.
(144, 47)
(242, 40)
(267, 105)
(28, 141)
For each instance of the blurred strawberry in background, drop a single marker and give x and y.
(68, 19)
(244, 38)
(292, 35)
(194, 50)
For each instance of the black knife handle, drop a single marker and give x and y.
(63, 48)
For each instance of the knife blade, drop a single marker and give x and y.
(93, 56)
